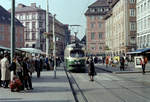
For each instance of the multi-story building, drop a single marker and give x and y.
(143, 23)
(121, 27)
(5, 30)
(95, 27)
(34, 20)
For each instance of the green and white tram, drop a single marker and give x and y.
(75, 57)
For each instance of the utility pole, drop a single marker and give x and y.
(47, 29)
(54, 44)
(12, 33)
(74, 31)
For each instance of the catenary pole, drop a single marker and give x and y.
(54, 44)
(12, 33)
(47, 28)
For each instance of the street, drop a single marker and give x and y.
(108, 87)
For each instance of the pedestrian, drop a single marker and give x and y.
(27, 79)
(107, 61)
(5, 72)
(37, 66)
(143, 62)
(19, 71)
(91, 69)
(122, 62)
(12, 68)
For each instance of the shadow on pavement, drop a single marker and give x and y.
(6, 100)
(49, 79)
(48, 89)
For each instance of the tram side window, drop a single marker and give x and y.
(77, 53)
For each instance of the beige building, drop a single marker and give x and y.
(121, 27)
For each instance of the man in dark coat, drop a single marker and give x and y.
(122, 61)
(27, 79)
(91, 69)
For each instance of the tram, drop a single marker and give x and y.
(74, 57)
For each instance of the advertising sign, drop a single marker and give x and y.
(137, 61)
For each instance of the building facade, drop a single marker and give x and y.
(121, 27)
(34, 20)
(5, 30)
(95, 27)
(143, 23)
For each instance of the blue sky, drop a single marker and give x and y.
(67, 11)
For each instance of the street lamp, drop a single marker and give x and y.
(47, 29)
(12, 34)
(54, 44)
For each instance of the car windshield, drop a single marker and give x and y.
(77, 53)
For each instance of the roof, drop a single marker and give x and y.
(97, 4)
(139, 51)
(24, 8)
(5, 17)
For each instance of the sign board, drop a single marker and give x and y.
(137, 61)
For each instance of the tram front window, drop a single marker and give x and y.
(77, 53)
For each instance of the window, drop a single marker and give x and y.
(1, 36)
(91, 17)
(100, 48)
(33, 45)
(100, 17)
(27, 35)
(133, 40)
(27, 16)
(33, 36)
(27, 25)
(92, 25)
(100, 35)
(33, 15)
(132, 26)
(40, 24)
(132, 1)
(1, 28)
(92, 36)
(33, 25)
(132, 12)
(99, 24)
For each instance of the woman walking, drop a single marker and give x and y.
(91, 69)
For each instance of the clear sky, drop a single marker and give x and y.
(67, 11)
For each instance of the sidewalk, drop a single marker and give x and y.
(128, 69)
(46, 89)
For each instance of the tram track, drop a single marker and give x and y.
(126, 79)
(74, 84)
(123, 87)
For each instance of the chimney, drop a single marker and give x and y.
(21, 5)
(33, 5)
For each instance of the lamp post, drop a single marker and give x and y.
(47, 29)
(12, 34)
(54, 44)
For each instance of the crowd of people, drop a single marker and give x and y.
(122, 61)
(18, 74)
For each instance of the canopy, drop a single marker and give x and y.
(139, 51)
(32, 50)
(4, 48)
